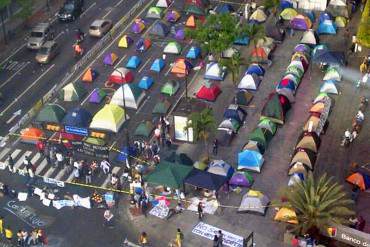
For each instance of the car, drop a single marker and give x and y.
(47, 52)
(71, 10)
(100, 27)
(39, 35)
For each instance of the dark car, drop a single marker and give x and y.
(70, 10)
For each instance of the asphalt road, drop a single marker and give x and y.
(23, 81)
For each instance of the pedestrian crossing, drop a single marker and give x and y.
(46, 170)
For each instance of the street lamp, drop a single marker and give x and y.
(123, 91)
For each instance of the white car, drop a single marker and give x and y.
(100, 27)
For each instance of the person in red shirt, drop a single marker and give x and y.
(40, 145)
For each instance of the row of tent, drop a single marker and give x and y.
(335, 7)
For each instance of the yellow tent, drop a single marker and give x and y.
(125, 41)
(308, 142)
(109, 118)
(258, 16)
(288, 14)
(286, 215)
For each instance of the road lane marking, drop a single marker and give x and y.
(107, 13)
(21, 159)
(147, 61)
(88, 96)
(25, 91)
(36, 158)
(84, 13)
(142, 105)
(15, 52)
(41, 166)
(49, 172)
(118, 3)
(71, 176)
(60, 34)
(116, 66)
(16, 73)
(168, 71)
(15, 153)
(4, 152)
(115, 170)
(61, 173)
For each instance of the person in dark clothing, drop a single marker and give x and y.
(200, 210)
(10, 163)
(144, 206)
(355, 193)
(220, 238)
(215, 147)
(361, 224)
(215, 241)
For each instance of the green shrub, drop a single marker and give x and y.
(363, 32)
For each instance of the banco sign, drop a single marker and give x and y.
(350, 236)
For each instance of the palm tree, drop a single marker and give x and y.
(203, 124)
(233, 64)
(272, 4)
(318, 204)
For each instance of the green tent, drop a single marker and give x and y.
(170, 88)
(267, 124)
(193, 9)
(172, 48)
(72, 92)
(144, 129)
(95, 141)
(295, 70)
(261, 136)
(200, 165)
(273, 110)
(161, 107)
(168, 174)
(51, 113)
(154, 13)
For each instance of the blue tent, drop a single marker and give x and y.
(77, 117)
(286, 83)
(310, 14)
(284, 4)
(250, 160)
(193, 53)
(318, 50)
(324, 16)
(235, 112)
(242, 41)
(327, 27)
(255, 68)
(157, 65)
(133, 62)
(146, 82)
(224, 9)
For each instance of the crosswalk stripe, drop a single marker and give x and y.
(61, 173)
(107, 180)
(15, 153)
(4, 152)
(41, 166)
(21, 159)
(49, 172)
(35, 158)
(71, 176)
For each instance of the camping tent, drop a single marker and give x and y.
(97, 95)
(266, 42)
(89, 75)
(215, 72)
(193, 53)
(274, 29)
(258, 16)
(229, 125)
(288, 13)
(125, 41)
(261, 135)
(286, 4)
(220, 167)
(291, 77)
(298, 63)
(329, 87)
(235, 112)
(334, 58)
(359, 179)
(265, 123)
(243, 40)
(260, 54)
(332, 73)
(308, 140)
(228, 53)
(180, 34)
(224, 136)
(327, 27)
(250, 160)
(324, 16)
(286, 215)
(121, 75)
(295, 178)
(254, 146)
(340, 21)
(208, 91)
(154, 13)
(169, 175)
(254, 202)
(146, 82)
(162, 107)
(249, 81)
(143, 44)
(138, 26)
(157, 65)
(110, 58)
(255, 68)
(304, 156)
(144, 129)
(133, 62)
(318, 107)
(243, 97)
(273, 109)
(309, 37)
(109, 118)
(181, 67)
(197, 7)
(130, 93)
(170, 87)
(224, 9)
(163, 3)
(159, 29)
(31, 135)
(172, 48)
(77, 117)
(338, 8)
(286, 83)
(243, 179)
(72, 92)
(190, 22)
(319, 50)
(52, 113)
(301, 22)
(205, 180)
(173, 16)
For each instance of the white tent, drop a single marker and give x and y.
(130, 93)
(215, 72)
(338, 3)
(228, 53)
(298, 64)
(249, 82)
(332, 74)
(318, 5)
(163, 3)
(309, 37)
(338, 8)
(329, 87)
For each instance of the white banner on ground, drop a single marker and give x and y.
(208, 231)
(63, 203)
(161, 211)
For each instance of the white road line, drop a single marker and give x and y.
(49, 172)
(15, 153)
(142, 105)
(35, 158)
(107, 13)
(41, 166)
(147, 61)
(53, 20)
(168, 71)
(16, 73)
(6, 59)
(4, 152)
(107, 180)
(11, 118)
(21, 159)
(60, 34)
(118, 3)
(25, 91)
(117, 64)
(61, 173)
(88, 96)
(71, 176)
(84, 13)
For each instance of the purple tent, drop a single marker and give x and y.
(97, 96)
(300, 22)
(180, 34)
(302, 48)
(241, 179)
(173, 16)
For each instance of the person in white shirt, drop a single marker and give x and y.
(105, 166)
(59, 159)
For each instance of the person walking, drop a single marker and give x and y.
(105, 166)
(179, 237)
(108, 216)
(88, 175)
(52, 156)
(59, 159)
(144, 206)
(8, 234)
(143, 239)
(157, 134)
(220, 240)
(200, 211)
(215, 147)
(10, 163)
(40, 146)
(215, 240)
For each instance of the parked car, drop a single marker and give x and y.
(47, 52)
(71, 10)
(100, 27)
(39, 35)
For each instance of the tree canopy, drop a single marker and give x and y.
(4, 3)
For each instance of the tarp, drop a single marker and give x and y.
(220, 167)
(255, 68)
(329, 87)
(243, 179)
(309, 140)
(301, 22)
(97, 95)
(154, 13)
(304, 156)
(193, 53)
(143, 44)
(208, 91)
(286, 215)
(273, 109)
(125, 41)
(310, 38)
(163, 3)
(327, 27)
(110, 58)
(235, 112)
(258, 16)
(359, 179)
(215, 72)
(77, 117)
(340, 21)
(324, 16)
(133, 62)
(172, 48)
(332, 73)
(146, 82)
(249, 81)
(224, 9)
(109, 118)
(250, 160)
(288, 13)
(121, 75)
(72, 92)
(159, 29)
(130, 93)
(254, 202)
(205, 180)
(170, 88)
(243, 97)
(89, 75)
(265, 123)
(161, 107)
(157, 65)
(138, 26)
(144, 129)
(169, 175)
(173, 16)
(31, 135)
(261, 136)
(190, 22)
(181, 66)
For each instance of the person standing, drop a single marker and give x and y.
(59, 159)
(157, 134)
(143, 239)
(179, 237)
(8, 234)
(108, 216)
(88, 175)
(144, 206)
(200, 211)
(220, 238)
(40, 145)
(215, 147)
(52, 156)
(215, 240)
(11, 163)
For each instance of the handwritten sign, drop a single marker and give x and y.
(25, 213)
(53, 181)
(161, 211)
(209, 232)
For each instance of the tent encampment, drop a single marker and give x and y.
(329, 87)
(208, 91)
(109, 118)
(215, 72)
(288, 13)
(173, 16)
(235, 112)
(170, 88)
(220, 167)
(146, 82)
(301, 22)
(154, 13)
(249, 81)
(51, 113)
(309, 38)
(255, 68)
(89, 75)
(97, 95)
(157, 65)
(121, 75)
(128, 95)
(250, 160)
(242, 179)
(273, 109)
(172, 48)
(138, 26)
(308, 140)
(77, 117)
(125, 41)
(159, 29)
(181, 66)
(338, 8)
(265, 123)
(327, 27)
(72, 92)
(254, 202)
(133, 62)
(332, 73)
(205, 180)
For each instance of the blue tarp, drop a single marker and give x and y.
(255, 69)
(242, 41)
(250, 160)
(77, 117)
(157, 65)
(133, 62)
(205, 180)
(146, 82)
(193, 53)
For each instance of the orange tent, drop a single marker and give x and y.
(190, 22)
(89, 75)
(31, 135)
(318, 108)
(357, 179)
(259, 52)
(181, 66)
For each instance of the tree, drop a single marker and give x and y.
(3, 5)
(203, 124)
(272, 4)
(26, 9)
(318, 204)
(233, 64)
(255, 32)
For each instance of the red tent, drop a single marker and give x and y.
(208, 92)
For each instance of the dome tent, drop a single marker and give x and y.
(170, 88)
(173, 16)
(154, 13)
(243, 179)
(258, 16)
(332, 73)
(249, 81)
(235, 112)
(144, 129)
(220, 167)
(229, 124)
(243, 97)
(327, 27)
(288, 13)
(163, 3)
(172, 48)
(130, 93)
(89, 75)
(77, 117)
(215, 72)
(109, 118)
(121, 75)
(329, 87)
(208, 91)
(193, 53)
(138, 26)
(143, 44)
(340, 21)
(162, 107)
(146, 82)
(72, 92)
(159, 29)
(250, 160)
(52, 113)
(110, 58)
(310, 38)
(157, 65)
(301, 22)
(309, 140)
(255, 68)
(97, 96)
(254, 202)
(265, 123)
(133, 62)
(125, 41)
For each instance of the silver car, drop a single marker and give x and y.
(47, 52)
(39, 35)
(100, 27)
